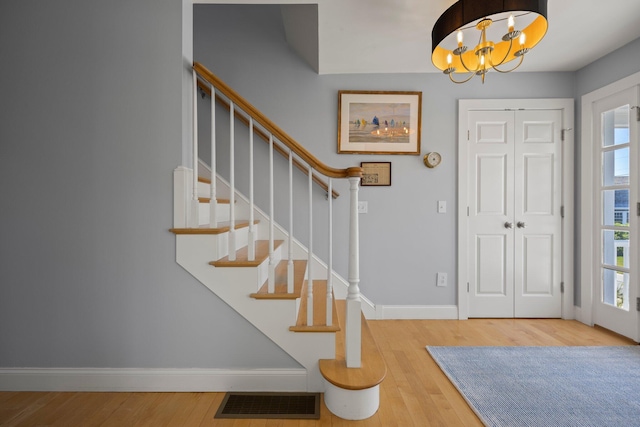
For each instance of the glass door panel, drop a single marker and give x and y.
(614, 198)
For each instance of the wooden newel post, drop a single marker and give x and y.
(353, 341)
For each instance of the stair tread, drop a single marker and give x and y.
(223, 227)
(280, 288)
(208, 199)
(319, 310)
(242, 255)
(373, 367)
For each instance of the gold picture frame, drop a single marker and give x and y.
(377, 122)
(375, 174)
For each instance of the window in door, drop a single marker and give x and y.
(614, 196)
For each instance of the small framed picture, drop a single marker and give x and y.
(376, 174)
(373, 122)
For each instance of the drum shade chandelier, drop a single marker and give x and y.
(493, 23)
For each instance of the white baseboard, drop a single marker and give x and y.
(151, 380)
(434, 312)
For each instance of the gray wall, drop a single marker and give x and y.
(404, 241)
(90, 133)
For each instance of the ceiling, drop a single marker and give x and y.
(394, 36)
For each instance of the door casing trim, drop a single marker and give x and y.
(586, 191)
(567, 265)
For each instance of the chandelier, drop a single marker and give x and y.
(493, 24)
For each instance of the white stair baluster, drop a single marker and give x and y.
(353, 333)
(195, 202)
(251, 238)
(213, 203)
(329, 320)
(271, 281)
(310, 261)
(232, 189)
(290, 263)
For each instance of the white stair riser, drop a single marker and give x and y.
(203, 213)
(212, 247)
(222, 191)
(263, 269)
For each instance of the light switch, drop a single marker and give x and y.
(441, 279)
(442, 206)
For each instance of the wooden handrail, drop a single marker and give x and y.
(241, 117)
(271, 127)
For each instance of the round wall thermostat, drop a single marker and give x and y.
(433, 159)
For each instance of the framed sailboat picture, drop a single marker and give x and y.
(372, 122)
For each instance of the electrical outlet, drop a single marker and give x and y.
(441, 279)
(363, 207)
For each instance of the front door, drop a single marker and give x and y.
(514, 215)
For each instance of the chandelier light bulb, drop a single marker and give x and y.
(460, 38)
(523, 38)
(511, 23)
(449, 59)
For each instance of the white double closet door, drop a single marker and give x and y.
(514, 213)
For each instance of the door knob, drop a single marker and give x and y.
(521, 224)
(508, 224)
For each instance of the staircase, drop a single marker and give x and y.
(250, 262)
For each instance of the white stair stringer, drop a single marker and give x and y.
(234, 284)
(272, 317)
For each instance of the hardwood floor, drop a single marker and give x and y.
(415, 392)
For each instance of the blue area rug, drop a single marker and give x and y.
(547, 386)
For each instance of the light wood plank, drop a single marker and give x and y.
(280, 289)
(204, 407)
(132, 410)
(319, 310)
(373, 369)
(208, 199)
(53, 410)
(21, 406)
(242, 255)
(413, 379)
(103, 407)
